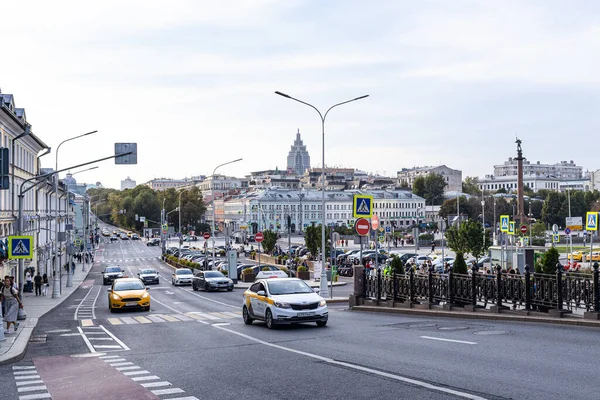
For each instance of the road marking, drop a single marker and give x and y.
(155, 318)
(31, 388)
(129, 320)
(121, 364)
(58, 331)
(128, 368)
(388, 375)
(22, 367)
(87, 322)
(446, 340)
(156, 384)
(115, 321)
(108, 357)
(196, 317)
(216, 314)
(145, 378)
(115, 338)
(21, 383)
(168, 318)
(115, 360)
(35, 396)
(108, 346)
(143, 320)
(101, 338)
(86, 340)
(182, 317)
(207, 316)
(222, 324)
(28, 377)
(160, 392)
(184, 398)
(32, 372)
(71, 334)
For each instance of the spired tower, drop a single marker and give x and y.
(520, 218)
(298, 159)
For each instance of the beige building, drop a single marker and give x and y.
(453, 177)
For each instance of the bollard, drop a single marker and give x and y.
(378, 285)
(527, 288)
(411, 286)
(450, 286)
(364, 283)
(559, 291)
(499, 286)
(474, 286)
(596, 289)
(430, 284)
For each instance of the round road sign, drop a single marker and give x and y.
(206, 235)
(567, 231)
(374, 222)
(523, 228)
(259, 237)
(362, 227)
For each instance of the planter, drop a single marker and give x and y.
(248, 277)
(304, 275)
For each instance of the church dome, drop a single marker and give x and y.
(69, 180)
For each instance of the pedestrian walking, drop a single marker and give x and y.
(45, 284)
(28, 284)
(38, 284)
(12, 303)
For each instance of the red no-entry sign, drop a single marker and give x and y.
(206, 235)
(362, 227)
(259, 237)
(523, 228)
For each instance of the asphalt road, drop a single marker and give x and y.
(195, 345)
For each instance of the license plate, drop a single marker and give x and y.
(131, 305)
(306, 314)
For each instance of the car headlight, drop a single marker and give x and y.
(120, 275)
(281, 305)
(145, 295)
(322, 303)
(116, 297)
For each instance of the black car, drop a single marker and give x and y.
(135, 237)
(113, 238)
(211, 280)
(153, 242)
(110, 274)
(148, 276)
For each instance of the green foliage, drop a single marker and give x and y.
(469, 238)
(312, 239)
(302, 268)
(247, 271)
(266, 269)
(269, 241)
(538, 230)
(551, 212)
(501, 190)
(426, 236)
(547, 265)
(460, 266)
(470, 186)
(396, 265)
(430, 187)
(538, 242)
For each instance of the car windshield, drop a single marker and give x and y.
(288, 287)
(213, 274)
(183, 272)
(148, 271)
(128, 285)
(113, 269)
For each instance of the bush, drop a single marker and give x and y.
(247, 271)
(396, 265)
(267, 269)
(224, 272)
(302, 268)
(460, 266)
(538, 242)
(547, 265)
(426, 236)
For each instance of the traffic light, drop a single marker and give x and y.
(4, 170)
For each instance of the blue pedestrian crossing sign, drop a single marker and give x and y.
(20, 247)
(591, 221)
(504, 223)
(511, 227)
(362, 206)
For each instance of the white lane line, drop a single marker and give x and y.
(32, 372)
(22, 367)
(107, 357)
(106, 346)
(184, 398)
(121, 364)
(155, 384)
(28, 377)
(94, 304)
(86, 340)
(143, 372)
(35, 396)
(31, 388)
(400, 378)
(447, 340)
(115, 338)
(128, 368)
(145, 378)
(81, 302)
(29, 382)
(160, 392)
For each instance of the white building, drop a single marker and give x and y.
(39, 202)
(453, 177)
(563, 170)
(509, 183)
(127, 183)
(268, 209)
(166, 183)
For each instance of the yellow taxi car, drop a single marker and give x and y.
(577, 255)
(128, 293)
(595, 256)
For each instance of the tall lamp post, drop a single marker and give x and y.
(55, 279)
(323, 283)
(212, 202)
(179, 230)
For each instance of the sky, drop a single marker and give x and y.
(192, 82)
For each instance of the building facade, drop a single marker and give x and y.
(509, 183)
(298, 159)
(127, 183)
(563, 170)
(453, 177)
(166, 183)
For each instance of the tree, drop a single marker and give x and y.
(547, 265)
(146, 205)
(396, 265)
(501, 190)
(468, 238)
(470, 186)
(312, 240)
(269, 241)
(551, 211)
(538, 229)
(460, 266)
(430, 187)
(418, 186)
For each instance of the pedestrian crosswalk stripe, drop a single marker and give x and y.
(22, 367)
(190, 316)
(128, 320)
(143, 320)
(182, 317)
(216, 314)
(233, 314)
(115, 321)
(208, 316)
(156, 384)
(87, 322)
(154, 318)
(145, 378)
(128, 373)
(168, 318)
(21, 383)
(195, 316)
(121, 364)
(160, 392)
(28, 377)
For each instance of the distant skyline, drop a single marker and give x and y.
(192, 82)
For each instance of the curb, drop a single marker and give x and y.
(486, 316)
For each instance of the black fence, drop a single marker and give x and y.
(563, 291)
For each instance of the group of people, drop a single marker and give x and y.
(10, 303)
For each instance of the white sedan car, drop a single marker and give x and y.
(283, 301)
(182, 276)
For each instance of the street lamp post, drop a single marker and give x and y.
(55, 279)
(180, 234)
(212, 202)
(323, 282)
(162, 222)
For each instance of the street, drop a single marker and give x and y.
(194, 345)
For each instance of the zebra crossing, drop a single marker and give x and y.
(29, 384)
(156, 318)
(99, 339)
(146, 379)
(133, 259)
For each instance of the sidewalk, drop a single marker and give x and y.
(15, 343)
